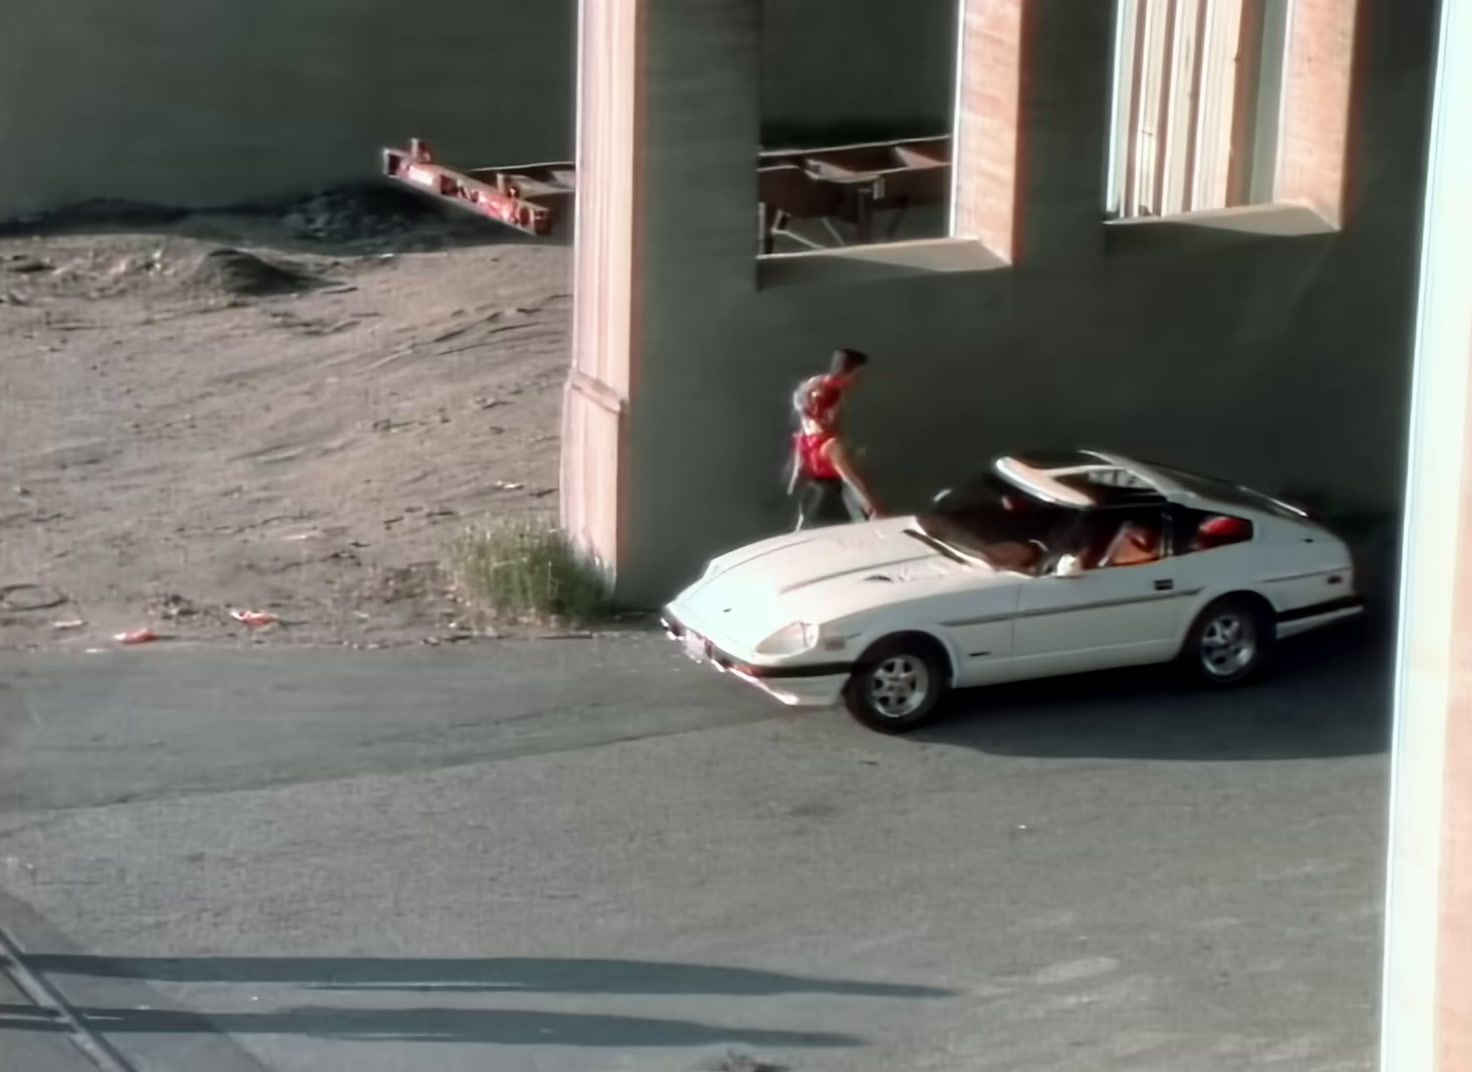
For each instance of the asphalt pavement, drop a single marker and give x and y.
(590, 855)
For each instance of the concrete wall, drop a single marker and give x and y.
(199, 102)
(205, 101)
(1281, 361)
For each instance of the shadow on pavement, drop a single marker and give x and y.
(548, 975)
(449, 1025)
(1326, 695)
(28, 1018)
(453, 976)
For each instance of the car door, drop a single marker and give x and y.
(978, 625)
(1105, 616)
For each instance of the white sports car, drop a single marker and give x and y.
(1046, 564)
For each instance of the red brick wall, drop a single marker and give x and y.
(987, 151)
(1318, 79)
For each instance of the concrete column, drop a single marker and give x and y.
(1427, 999)
(606, 273)
(668, 132)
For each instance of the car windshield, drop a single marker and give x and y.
(993, 520)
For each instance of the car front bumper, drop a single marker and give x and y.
(810, 685)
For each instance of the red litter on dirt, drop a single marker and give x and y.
(254, 618)
(137, 636)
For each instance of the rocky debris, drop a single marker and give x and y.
(120, 524)
(739, 1062)
(29, 597)
(313, 325)
(404, 583)
(174, 607)
(152, 263)
(355, 213)
(238, 272)
(138, 636)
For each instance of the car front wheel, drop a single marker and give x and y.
(897, 685)
(1229, 642)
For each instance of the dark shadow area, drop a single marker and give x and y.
(1206, 234)
(355, 219)
(1325, 695)
(549, 975)
(453, 1025)
(29, 1018)
(883, 175)
(464, 1025)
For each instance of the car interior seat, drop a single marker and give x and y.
(1143, 539)
(1219, 531)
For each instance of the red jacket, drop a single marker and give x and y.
(812, 462)
(817, 400)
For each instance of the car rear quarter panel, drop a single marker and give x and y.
(1302, 573)
(1291, 566)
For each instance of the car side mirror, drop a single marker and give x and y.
(1069, 566)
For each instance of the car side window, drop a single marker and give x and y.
(1204, 530)
(1136, 538)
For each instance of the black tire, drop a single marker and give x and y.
(1230, 642)
(876, 694)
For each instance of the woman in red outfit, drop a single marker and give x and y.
(828, 487)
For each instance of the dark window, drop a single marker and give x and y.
(1203, 530)
(992, 519)
(991, 508)
(1104, 526)
(1112, 487)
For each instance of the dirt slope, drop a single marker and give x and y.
(292, 411)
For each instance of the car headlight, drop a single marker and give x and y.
(792, 639)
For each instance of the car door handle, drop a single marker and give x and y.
(1164, 585)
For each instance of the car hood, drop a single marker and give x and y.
(823, 574)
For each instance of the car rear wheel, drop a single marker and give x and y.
(897, 685)
(1229, 642)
